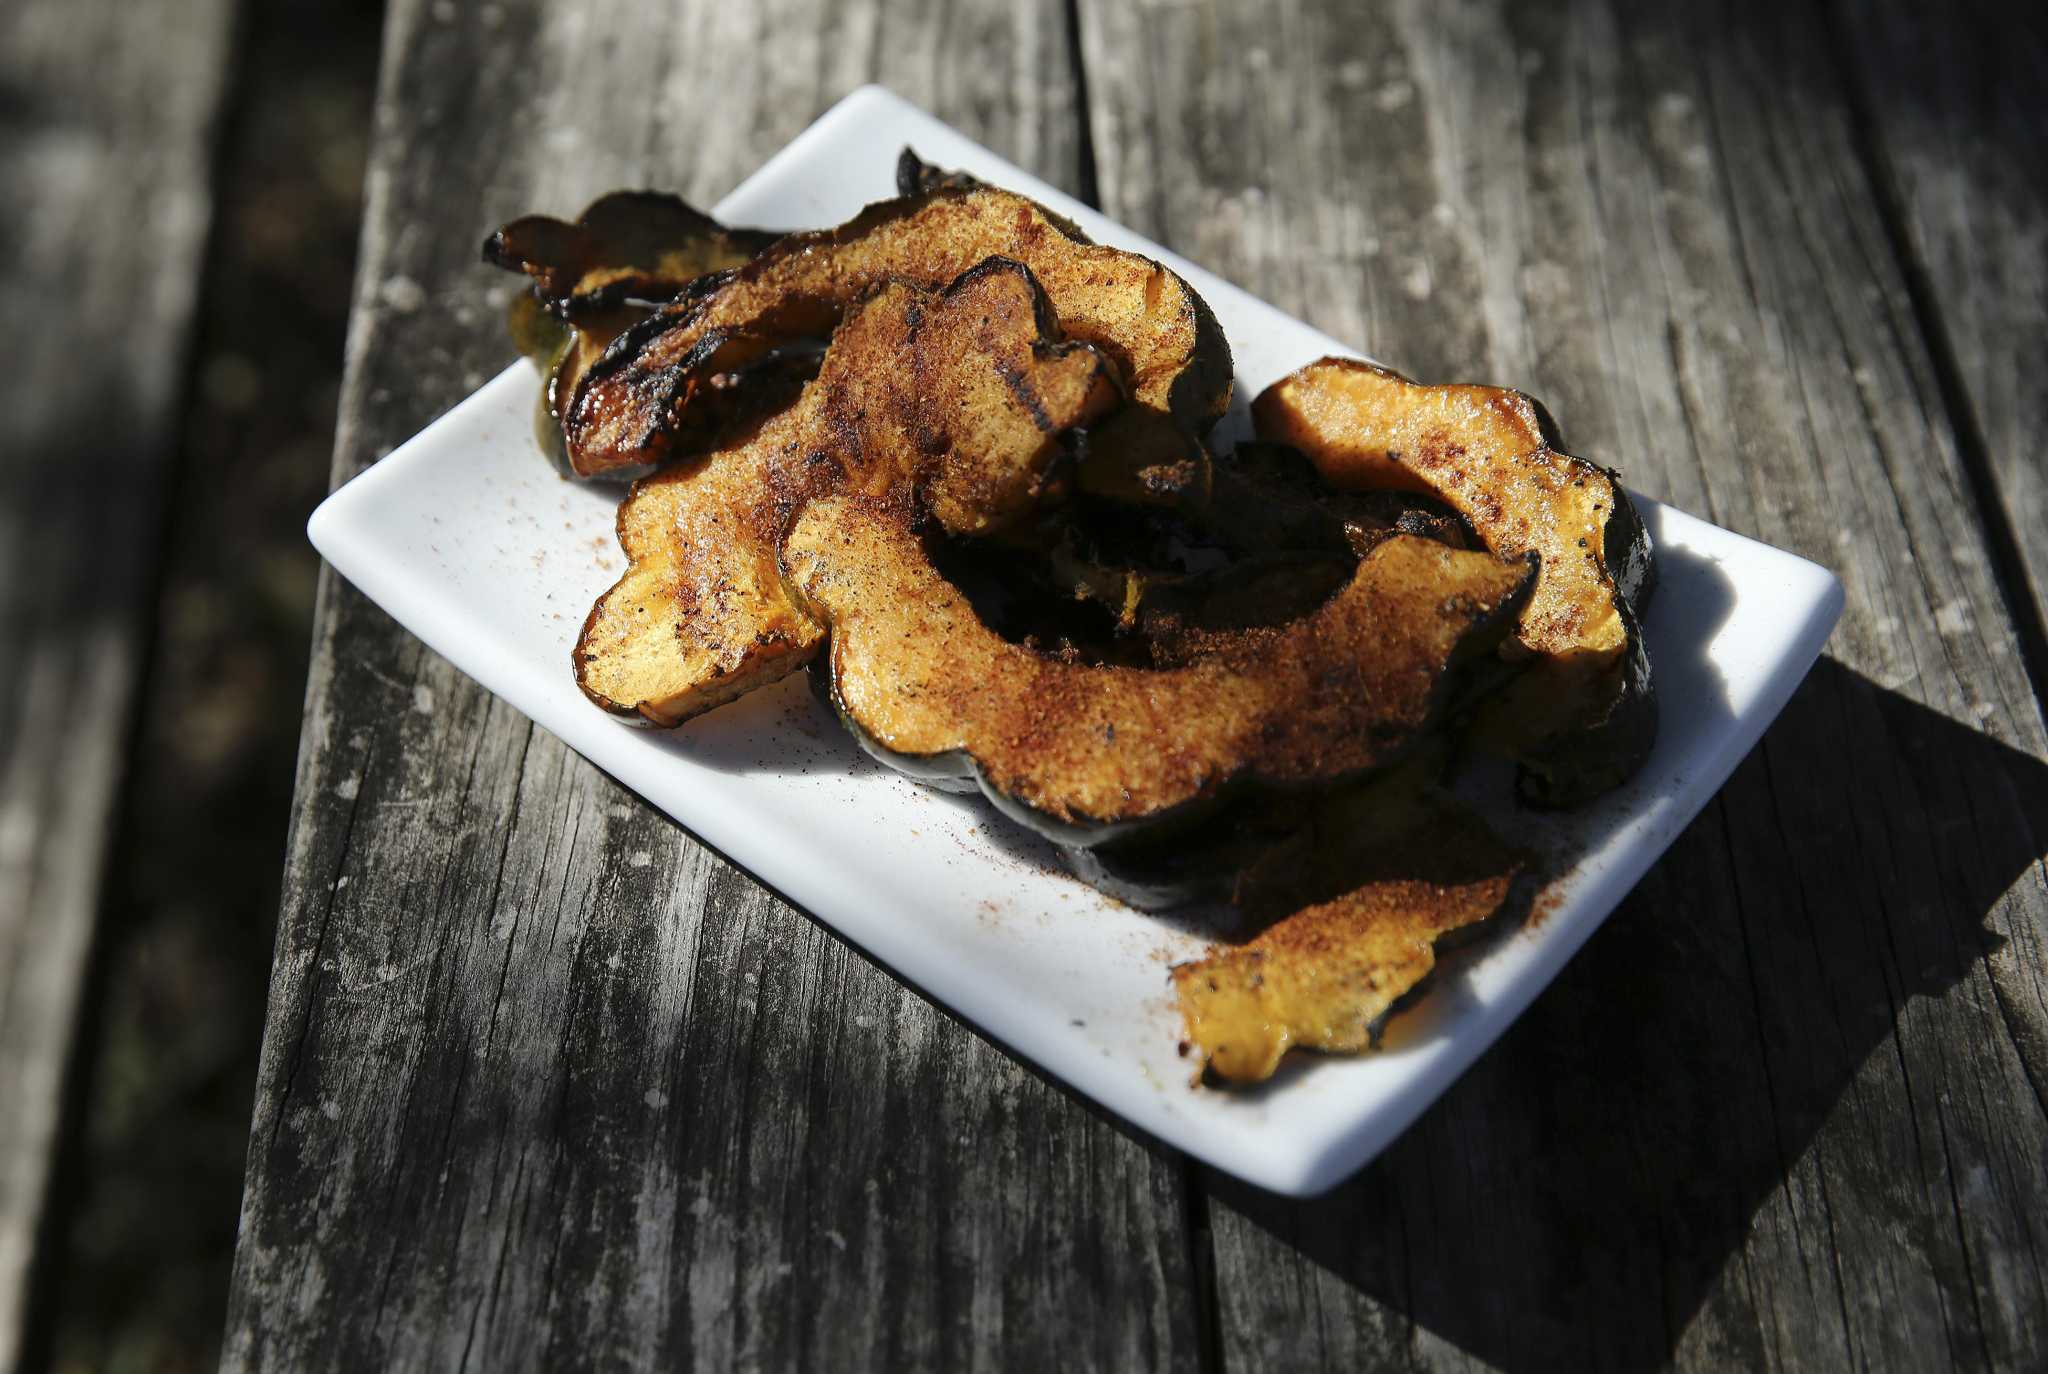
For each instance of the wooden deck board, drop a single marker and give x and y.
(106, 156)
(1783, 1110)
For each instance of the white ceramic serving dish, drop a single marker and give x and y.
(468, 538)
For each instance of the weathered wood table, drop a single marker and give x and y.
(525, 1104)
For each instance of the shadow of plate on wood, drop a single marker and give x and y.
(469, 540)
(1618, 1147)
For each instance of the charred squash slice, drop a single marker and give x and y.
(1582, 717)
(916, 177)
(956, 404)
(637, 245)
(1328, 975)
(1084, 753)
(644, 399)
(563, 352)
(597, 277)
(1273, 853)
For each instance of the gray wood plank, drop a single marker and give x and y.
(105, 154)
(546, 1084)
(1785, 1110)
(1958, 122)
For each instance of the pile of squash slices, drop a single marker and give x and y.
(953, 458)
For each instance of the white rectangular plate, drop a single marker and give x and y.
(468, 538)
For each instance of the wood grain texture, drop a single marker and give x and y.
(105, 153)
(545, 1083)
(1786, 1109)
(1956, 103)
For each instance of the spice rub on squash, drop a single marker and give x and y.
(952, 403)
(1582, 717)
(1085, 752)
(644, 400)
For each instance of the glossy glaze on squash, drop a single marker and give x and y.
(596, 277)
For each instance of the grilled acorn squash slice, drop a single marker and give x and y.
(596, 277)
(1084, 752)
(1349, 895)
(1326, 976)
(956, 404)
(1582, 717)
(643, 400)
(637, 245)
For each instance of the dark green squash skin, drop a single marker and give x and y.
(1573, 768)
(916, 177)
(1153, 882)
(942, 773)
(611, 232)
(956, 771)
(1631, 559)
(1273, 854)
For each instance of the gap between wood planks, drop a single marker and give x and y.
(2008, 566)
(66, 1183)
(81, 1308)
(1201, 1240)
